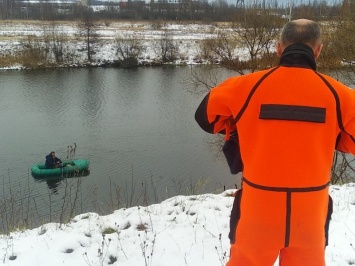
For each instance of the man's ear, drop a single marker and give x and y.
(317, 50)
(279, 49)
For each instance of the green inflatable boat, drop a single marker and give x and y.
(70, 168)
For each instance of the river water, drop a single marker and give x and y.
(136, 126)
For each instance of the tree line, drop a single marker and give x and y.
(217, 10)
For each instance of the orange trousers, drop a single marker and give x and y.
(291, 224)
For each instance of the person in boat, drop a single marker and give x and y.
(52, 161)
(289, 120)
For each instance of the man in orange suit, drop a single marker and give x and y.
(289, 120)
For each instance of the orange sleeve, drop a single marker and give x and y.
(346, 142)
(214, 114)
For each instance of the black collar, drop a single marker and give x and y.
(298, 55)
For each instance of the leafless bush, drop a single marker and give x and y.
(222, 49)
(128, 49)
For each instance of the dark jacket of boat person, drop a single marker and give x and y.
(52, 161)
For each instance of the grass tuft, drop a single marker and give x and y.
(109, 230)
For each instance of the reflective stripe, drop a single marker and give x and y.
(292, 113)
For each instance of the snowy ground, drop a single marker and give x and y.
(183, 230)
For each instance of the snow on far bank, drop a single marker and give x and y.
(187, 38)
(183, 230)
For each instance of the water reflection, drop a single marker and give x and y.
(93, 92)
(54, 182)
(53, 185)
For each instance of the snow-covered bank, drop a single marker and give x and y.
(183, 230)
(15, 35)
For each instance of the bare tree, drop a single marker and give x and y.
(88, 29)
(255, 34)
(54, 41)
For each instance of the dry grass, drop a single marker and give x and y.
(9, 60)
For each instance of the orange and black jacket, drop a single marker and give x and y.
(289, 120)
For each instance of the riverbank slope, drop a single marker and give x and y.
(183, 230)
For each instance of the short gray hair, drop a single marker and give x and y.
(307, 33)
